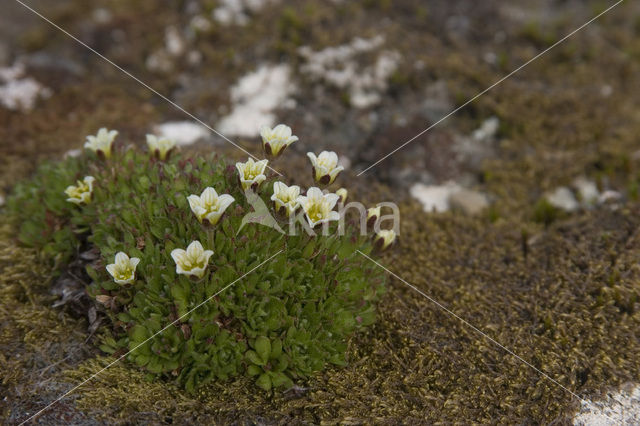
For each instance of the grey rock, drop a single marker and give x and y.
(54, 63)
(437, 101)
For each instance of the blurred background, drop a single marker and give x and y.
(357, 77)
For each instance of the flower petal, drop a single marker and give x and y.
(313, 158)
(112, 270)
(122, 259)
(224, 201)
(194, 250)
(209, 196)
(178, 255)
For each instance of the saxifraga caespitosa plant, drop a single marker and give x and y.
(170, 235)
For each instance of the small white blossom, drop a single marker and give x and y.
(318, 207)
(325, 166)
(123, 270)
(373, 214)
(209, 205)
(251, 173)
(276, 140)
(285, 197)
(193, 260)
(160, 146)
(81, 192)
(102, 142)
(384, 238)
(342, 193)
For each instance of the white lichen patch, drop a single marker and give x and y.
(487, 129)
(563, 198)
(174, 42)
(182, 132)
(237, 11)
(19, 92)
(255, 97)
(587, 190)
(619, 408)
(434, 198)
(449, 196)
(342, 67)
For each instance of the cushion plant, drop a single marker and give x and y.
(168, 243)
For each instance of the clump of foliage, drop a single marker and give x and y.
(545, 213)
(278, 321)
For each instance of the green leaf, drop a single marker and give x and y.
(255, 358)
(308, 250)
(93, 274)
(264, 381)
(263, 347)
(280, 380)
(138, 334)
(276, 349)
(254, 370)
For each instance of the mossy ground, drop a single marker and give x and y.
(562, 297)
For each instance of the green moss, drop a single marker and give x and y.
(545, 213)
(36, 341)
(290, 26)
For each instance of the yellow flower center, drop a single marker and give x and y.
(315, 213)
(124, 273)
(285, 197)
(211, 207)
(79, 190)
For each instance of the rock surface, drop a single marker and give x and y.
(618, 408)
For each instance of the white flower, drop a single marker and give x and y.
(384, 238)
(209, 205)
(251, 173)
(123, 270)
(101, 143)
(342, 193)
(285, 197)
(373, 214)
(276, 140)
(318, 207)
(80, 193)
(159, 146)
(193, 260)
(325, 166)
